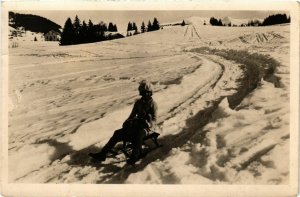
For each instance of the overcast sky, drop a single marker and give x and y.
(121, 18)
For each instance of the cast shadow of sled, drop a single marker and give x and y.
(194, 126)
(118, 171)
(77, 158)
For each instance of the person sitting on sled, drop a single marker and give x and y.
(138, 125)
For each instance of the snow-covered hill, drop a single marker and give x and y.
(18, 37)
(228, 20)
(198, 20)
(66, 101)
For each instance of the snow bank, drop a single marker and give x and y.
(240, 146)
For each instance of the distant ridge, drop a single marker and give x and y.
(32, 23)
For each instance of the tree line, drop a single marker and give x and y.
(270, 20)
(78, 33)
(32, 23)
(154, 26)
(215, 22)
(276, 19)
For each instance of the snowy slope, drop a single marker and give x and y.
(19, 37)
(233, 21)
(24, 36)
(196, 20)
(66, 101)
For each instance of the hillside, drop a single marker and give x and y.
(32, 23)
(66, 101)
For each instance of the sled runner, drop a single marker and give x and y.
(126, 147)
(153, 136)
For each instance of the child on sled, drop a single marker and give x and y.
(138, 125)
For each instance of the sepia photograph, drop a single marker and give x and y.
(108, 97)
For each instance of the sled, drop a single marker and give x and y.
(153, 136)
(126, 147)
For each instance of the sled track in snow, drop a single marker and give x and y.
(193, 124)
(113, 173)
(192, 31)
(194, 113)
(196, 32)
(192, 128)
(187, 27)
(196, 95)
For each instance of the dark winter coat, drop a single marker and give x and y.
(146, 110)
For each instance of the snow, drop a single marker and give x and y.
(26, 36)
(198, 20)
(226, 20)
(19, 37)
(66, 101)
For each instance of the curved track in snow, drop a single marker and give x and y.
(189, 110)
(187, 118)
(87, 98)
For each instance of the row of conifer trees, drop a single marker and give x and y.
(150, 27)
(77, 32)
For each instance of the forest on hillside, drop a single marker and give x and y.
(32, 23)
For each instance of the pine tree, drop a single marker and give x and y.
(213, 21)
(220, 22)
(115, 28)
(83, 33)
(68, 35)
(183, 23)
(91, 35)
(100, 30)
(77, 27)
(155, 25)
(134, 27)
(76, 23)
(35, 39)
(149, 26)
(110, 27)
(129, 26)
(105, 27)
(143, 28)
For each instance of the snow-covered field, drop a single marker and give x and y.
(66, 101)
